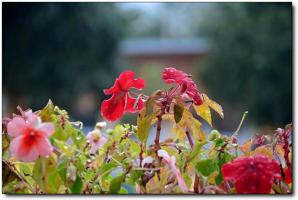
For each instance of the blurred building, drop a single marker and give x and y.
(149, 56)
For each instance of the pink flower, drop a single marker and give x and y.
(171, 161)
(188, 88)
(121, 100)
(96, 140)
(30, 137)
(252, 175)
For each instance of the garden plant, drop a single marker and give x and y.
(44, 152)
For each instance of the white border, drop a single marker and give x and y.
(172, 197)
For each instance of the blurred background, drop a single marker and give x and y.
(240, 54)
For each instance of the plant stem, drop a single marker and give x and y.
(196, 185)
(141, 154)
(189, 138)
(197, 180)
(158, 129)
(240, 124)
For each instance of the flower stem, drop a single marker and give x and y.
(240, 124)
(141, 155)
(196, 185)
(158, 129)
(189, 138)
(197, 180)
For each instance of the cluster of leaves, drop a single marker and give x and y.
(119, 167)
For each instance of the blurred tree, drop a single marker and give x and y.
(56, 50)
(250, 59)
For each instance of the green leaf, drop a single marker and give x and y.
(123, 191)
(46, 113)
(206, 167)
(203, 111)
(187, 179)
(225, 157)
(219, 142)
(135, 148)
(134, 176)
(196, 150)
(118, 132)
(89, 174)
(178, 108)
(25, 169)
(149, 105)
(62, 169)
(115, 184)
(77, 137)
(178, 112)
(8, 173)
(53, 182)
(144, 125)
(106, 167)
(213, 105)
(214, 135)
(39, 173)
(77, 186)
(5, 143)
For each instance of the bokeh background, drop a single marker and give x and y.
(240, 54)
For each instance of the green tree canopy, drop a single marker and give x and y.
(249, 66)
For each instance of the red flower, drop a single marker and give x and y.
(252, 175)
(121, 101)
(188, 88)
(288, 174)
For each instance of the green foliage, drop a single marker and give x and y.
(77, 186)
(250, 50)
(144, 125)
(206, 167)
(115, 185)
(178, 109)
(57, 44)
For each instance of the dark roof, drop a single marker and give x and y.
(157, 46)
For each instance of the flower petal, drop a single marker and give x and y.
(15, 145)
(113, 108)
(31, 155)
(136, 83)
(16, 126)
(172, 75)
(21, 151)
(133, 105)
(127, 80)
(32, 119)
(43, 146)
(47, 129)
(114, 89)
(102, 140)
(251, 175)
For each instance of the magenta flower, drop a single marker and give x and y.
(187, 87)
(96, 140)
(30, 137)
(171, 161)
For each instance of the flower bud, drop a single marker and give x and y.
(101, 125)
(214, 135)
